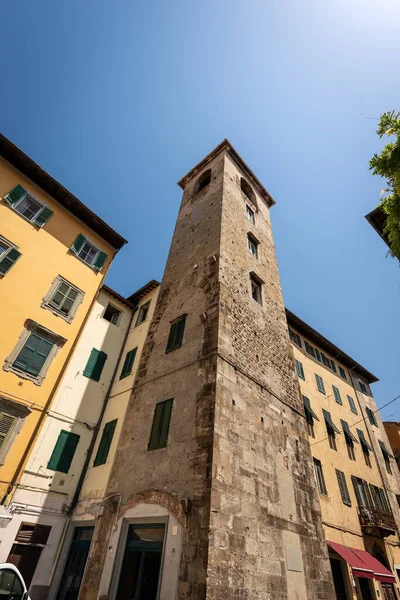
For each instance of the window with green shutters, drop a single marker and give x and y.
(6, 424)
(95, 364)
(336, 393)
(344, 491)
(320, 384)
(299, 369)
(63, 452)
(128, 363)
(342, 372)
(8, 255)
(175, 337)
(89, 253)
(160, 427)
(371, 417)
(352, 405)
(105, 443)
(28, 206)
(363, 388)
(33, 354)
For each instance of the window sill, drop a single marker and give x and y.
(56, 313)
(34, 225)
(157, 447)
(85, 263)
(139, 324)
(172, 349)
(9, 367)
(125, 376)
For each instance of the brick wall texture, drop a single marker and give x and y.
(237, 444)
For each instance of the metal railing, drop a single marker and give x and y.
(372, 517)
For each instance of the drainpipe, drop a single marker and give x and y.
(46, 407)
(98, 424)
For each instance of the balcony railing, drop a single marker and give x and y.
(372, 518)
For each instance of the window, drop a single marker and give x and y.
(333, 366)
(344, 491)
(331, 429)
(319, 476)
(386, 456)
(11, 587)
(176, 334)
(142, 315)
(371, 416)
(63, 299)
(336, 393)
(361, 491)
(398, 500)
(34, 352)
(366, 447)
(295, 337)
(63, 452)
(350, 451)
(342, 372)
(203, 181)
(252, 244)
(310, 416)
(12, 415)
(332, 441)
(247, 190)
(325, 360)
(8, 255)
(367, 459)
(299, 369)
(250, 214)
(363, 388)
(95, 364)
(256, 285)
(28, 206)
(310, 428)
(317, 354)
(128, 363)
(352, 405)
(160, 427)
(105, 443)
(309, 349)
(112, 314)
(33, 533)
(89, 253)
(320, 384)
(379, 498)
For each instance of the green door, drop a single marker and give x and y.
(141, 566)
(75, 565)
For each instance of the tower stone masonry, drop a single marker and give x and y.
(236, 476)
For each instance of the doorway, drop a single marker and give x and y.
(338, 579)
(141, 565)
(365, 588)
(388, 591)
(75, 565)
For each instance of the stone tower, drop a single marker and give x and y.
(234, 484)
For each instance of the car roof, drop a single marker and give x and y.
(12, 568)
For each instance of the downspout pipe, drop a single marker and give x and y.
(99, 421)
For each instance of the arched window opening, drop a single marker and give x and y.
(247, 190)
(203, 181)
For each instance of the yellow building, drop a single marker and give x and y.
(356, 473)
(393, 432)
(54, 255)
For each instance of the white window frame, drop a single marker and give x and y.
(250, 214)
(137, 324)
(254, 279)
(9, 246)
(34, 198)
(46, 300)
(19, 411)
(95, 248)
(252, 244)
(33, 327)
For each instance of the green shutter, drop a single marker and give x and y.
(176, 335)
(336, 393)
(344, 492)
(6, 422)
(100, 260)
(43, 217)
(63, 452)
(105, 443)
(95, 364)
(78, 244)
(33, 355)
(128, 364)
(160, 427)
(16, 194)
(9, 260)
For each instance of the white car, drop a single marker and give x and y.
(12, 584)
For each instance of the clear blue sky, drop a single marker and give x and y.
(118, 100)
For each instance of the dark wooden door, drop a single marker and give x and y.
(365, 588)
(388, 591)
(338, 579)
(25, 558)
(76, 563)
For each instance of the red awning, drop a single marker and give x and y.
(363, 564)
(360, 569)
(381, 573)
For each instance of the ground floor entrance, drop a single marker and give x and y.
(388, 591)
(75, 565)
(338, 579)
(141, 565)
(365, 589)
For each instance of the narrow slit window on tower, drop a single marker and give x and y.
(203, 181)
(256, 288)
(252, 244)
(250, 214)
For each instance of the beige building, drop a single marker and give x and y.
(393, 432)
(356, 473)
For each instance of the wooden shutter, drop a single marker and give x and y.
(78, 244)
(156, 427)
(16, 194)
(161, 422)
(128, 364)
(6, 423)
(165, 423)
(344, 492)
(95, 364)
(100, 260)
(359, 499)
(9, 260)
(30, 533)
(33, 355)
(43, 216)
(63, 452)
(176, 334)
(105, 443)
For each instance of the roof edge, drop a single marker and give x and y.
(145, 289)
(324, 343)
(228, 147)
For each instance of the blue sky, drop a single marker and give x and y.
(118, 100)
